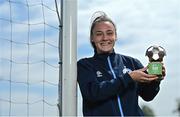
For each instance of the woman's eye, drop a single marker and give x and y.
(98, 34)
(109, 33)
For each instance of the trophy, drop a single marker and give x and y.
(155, 54)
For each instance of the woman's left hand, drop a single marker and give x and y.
(163, 72)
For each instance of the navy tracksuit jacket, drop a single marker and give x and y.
(108, 90)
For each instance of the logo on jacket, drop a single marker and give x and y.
(99, 74)
(126, 70)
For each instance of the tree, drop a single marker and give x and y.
(178, 107)
(147, 111)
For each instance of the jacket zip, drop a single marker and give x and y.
(114, 76)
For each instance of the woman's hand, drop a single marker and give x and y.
(140, 76)
(163, 73)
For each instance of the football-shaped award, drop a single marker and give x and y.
(155, 54)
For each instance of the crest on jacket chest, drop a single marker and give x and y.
(99, 74)
(126, 70)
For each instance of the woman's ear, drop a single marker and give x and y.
(116, 38)
(92, 40)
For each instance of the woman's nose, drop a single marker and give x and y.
(105, 37)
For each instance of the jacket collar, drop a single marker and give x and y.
(104, 55)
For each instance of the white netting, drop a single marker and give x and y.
(29, 70)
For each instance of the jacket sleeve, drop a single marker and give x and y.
(147, 90)
(93, 90)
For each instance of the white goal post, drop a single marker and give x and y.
(69, 58)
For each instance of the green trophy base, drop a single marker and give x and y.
(155, 68)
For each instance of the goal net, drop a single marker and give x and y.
(29, 56)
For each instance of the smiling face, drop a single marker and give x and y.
(103, 37)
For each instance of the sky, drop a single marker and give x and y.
(140, 24)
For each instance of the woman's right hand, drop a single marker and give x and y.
(140, 76)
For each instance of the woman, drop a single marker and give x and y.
(110, 83)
